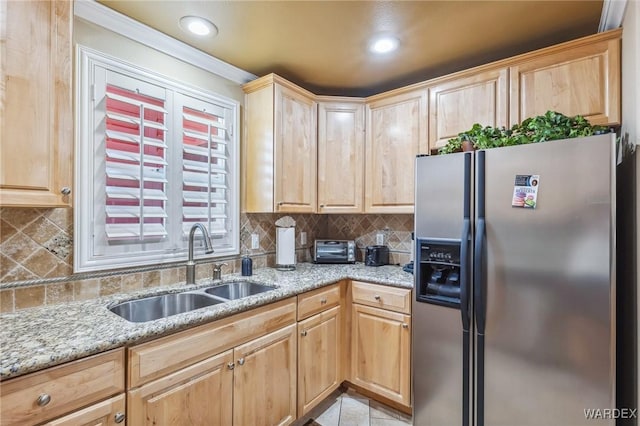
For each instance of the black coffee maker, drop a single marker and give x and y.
(376, 256)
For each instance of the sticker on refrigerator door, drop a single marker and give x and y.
(525, 191)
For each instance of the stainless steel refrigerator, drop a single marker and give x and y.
(514, 307)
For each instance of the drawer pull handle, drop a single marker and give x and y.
(405, 325)
(43, 400)
(119, 417)
(323, 301)
(377, 297)
(231, 366)
(65, 190)
(241, 361)
(304, 333)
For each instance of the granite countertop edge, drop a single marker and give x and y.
(37, 338)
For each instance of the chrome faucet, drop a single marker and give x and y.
(208, 248)
(217, 271)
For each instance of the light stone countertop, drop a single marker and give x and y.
(37, 338)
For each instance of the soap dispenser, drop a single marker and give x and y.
(247, 266)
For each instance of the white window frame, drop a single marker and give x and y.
(173, 248)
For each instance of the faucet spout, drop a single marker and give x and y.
(208, 248)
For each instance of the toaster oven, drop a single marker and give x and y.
(334, 251)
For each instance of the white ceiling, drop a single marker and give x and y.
(322, 45)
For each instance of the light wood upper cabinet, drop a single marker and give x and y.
(456, 105)
(36, 124)
(396, 133)
(580, 77)
(279, 149)
(381, 352)
(264, 391)
(340, 156)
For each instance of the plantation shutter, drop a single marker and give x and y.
(206, 130)
(135, 158)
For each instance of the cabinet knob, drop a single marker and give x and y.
(323, 301)
(231, 366)
(43, 400)
(377, 297)
(322, 205)
(65, 190)
(119, 417)
(241, 361)
(405, 325)
(304, 333)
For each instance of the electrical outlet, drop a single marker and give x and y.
(303, 238)
(380, 239)
(255, 241)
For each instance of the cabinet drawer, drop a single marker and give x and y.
(380, 296)
(106, 413)
(67, 388)
(163, 356)
(318, 300)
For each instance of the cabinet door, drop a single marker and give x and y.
(36, 134)
(198, 395)
(295, 152)
(319, 358)
(106, 413)
(396, 133)
(380, 352)
(582, 79)
(340, 157)
(456, 105)
(264, 389)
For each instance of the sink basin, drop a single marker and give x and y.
(237, 290)
(156, 307)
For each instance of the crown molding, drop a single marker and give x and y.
(95, 13)
(612, 14)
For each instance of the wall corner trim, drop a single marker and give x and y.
(98, 14)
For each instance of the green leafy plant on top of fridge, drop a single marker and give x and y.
(550, 126)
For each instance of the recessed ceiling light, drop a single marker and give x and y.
(198, 26)
(384, 44)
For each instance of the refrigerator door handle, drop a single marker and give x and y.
(480, 305)
(464, 247)
(465, 306)
(479, 288)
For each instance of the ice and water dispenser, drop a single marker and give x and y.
(438, 277)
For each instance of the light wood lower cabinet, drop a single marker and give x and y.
(264, 387)
(239, 370)
(200, 394)
(319, 358)
(381, 353)
(106, 413)
(57, 391)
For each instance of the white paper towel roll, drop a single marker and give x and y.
(285, 246)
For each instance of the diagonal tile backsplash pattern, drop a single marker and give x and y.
(37, 244)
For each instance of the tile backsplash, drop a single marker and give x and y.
(37, 245)
(363, 228)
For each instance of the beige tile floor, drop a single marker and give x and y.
(348, 408)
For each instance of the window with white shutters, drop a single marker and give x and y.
(154, 158)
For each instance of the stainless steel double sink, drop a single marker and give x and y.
(156, 307)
